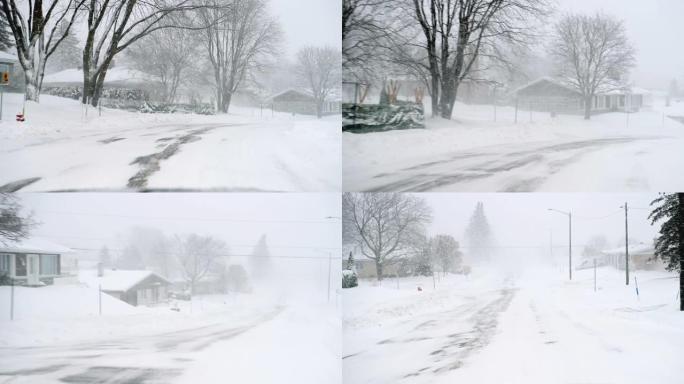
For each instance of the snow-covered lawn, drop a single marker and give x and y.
(60, 147)
(534, 327)
(58, 336)
(613, 151)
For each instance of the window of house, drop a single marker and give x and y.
(49, 264)
(20, 264)
(5, 262)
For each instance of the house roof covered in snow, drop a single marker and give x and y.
(634, 249)
(116, 280)
(6, 58)
(34, 245)
(120, 75)
(558, 83)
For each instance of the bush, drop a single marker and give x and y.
(5, 279)
(349, 279)
(377, 117)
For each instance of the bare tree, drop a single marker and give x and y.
(364, 23)
(319, 67)
(198, 255)
(239, 38)
(593, 54)
(386, 227)
(444, 248)
(13, 225)
(114, 25)
(38, 30)
(457, 34)
(167, 55)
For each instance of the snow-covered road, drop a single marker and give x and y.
(538, 166)
(525, 329)
(151, 358)
(612, 152)
(60, 149)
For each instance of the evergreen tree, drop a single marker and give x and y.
(350, 262)
(13, 225)
(105, 257)
(67, 55)
(478, 235)
(6, 39)
(260, 262)
(669, 245)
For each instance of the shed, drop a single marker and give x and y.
(135, 287)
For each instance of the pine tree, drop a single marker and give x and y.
(260, 262)
(669, 245)
(478, 235)
(105, 257)
(67, 55)
(6, 39)
(13, 225)
(350, 262)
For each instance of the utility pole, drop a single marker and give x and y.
(626, 246)
(329, 273)
(569, 215)
(570, 244)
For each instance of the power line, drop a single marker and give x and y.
(229, 245)
(225, 254)
(185, 218)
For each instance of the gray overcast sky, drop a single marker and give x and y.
(655, 28)
(309, 22)
(522, 219)
(89, 220)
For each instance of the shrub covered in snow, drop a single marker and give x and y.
(349, 279)
(378, 117)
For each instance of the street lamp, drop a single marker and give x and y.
(569, 215)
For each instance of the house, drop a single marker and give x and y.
(549, 95)
(32, 261)
(365, 269)
(641, 256)
(134, 287)
(301, 102)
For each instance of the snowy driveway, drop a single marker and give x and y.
(570, 165)
(160, 358)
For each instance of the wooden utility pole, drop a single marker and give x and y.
(680, 230)
(570, 244)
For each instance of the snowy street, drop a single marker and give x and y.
(531, 328)
(249, 150)
(152, 358)
(546, 155)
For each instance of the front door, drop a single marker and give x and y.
(33, 270)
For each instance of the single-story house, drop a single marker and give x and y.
(550, 95)
(134, 287)
(641, 256)
(301, 102)
(365, 269)
(32, 261)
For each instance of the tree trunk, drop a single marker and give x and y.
(378, 269)
(319, 109)
(680, 226)
(434, 96)
(587, 107)
(224, 101)
(31, 80)
(447, 99)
